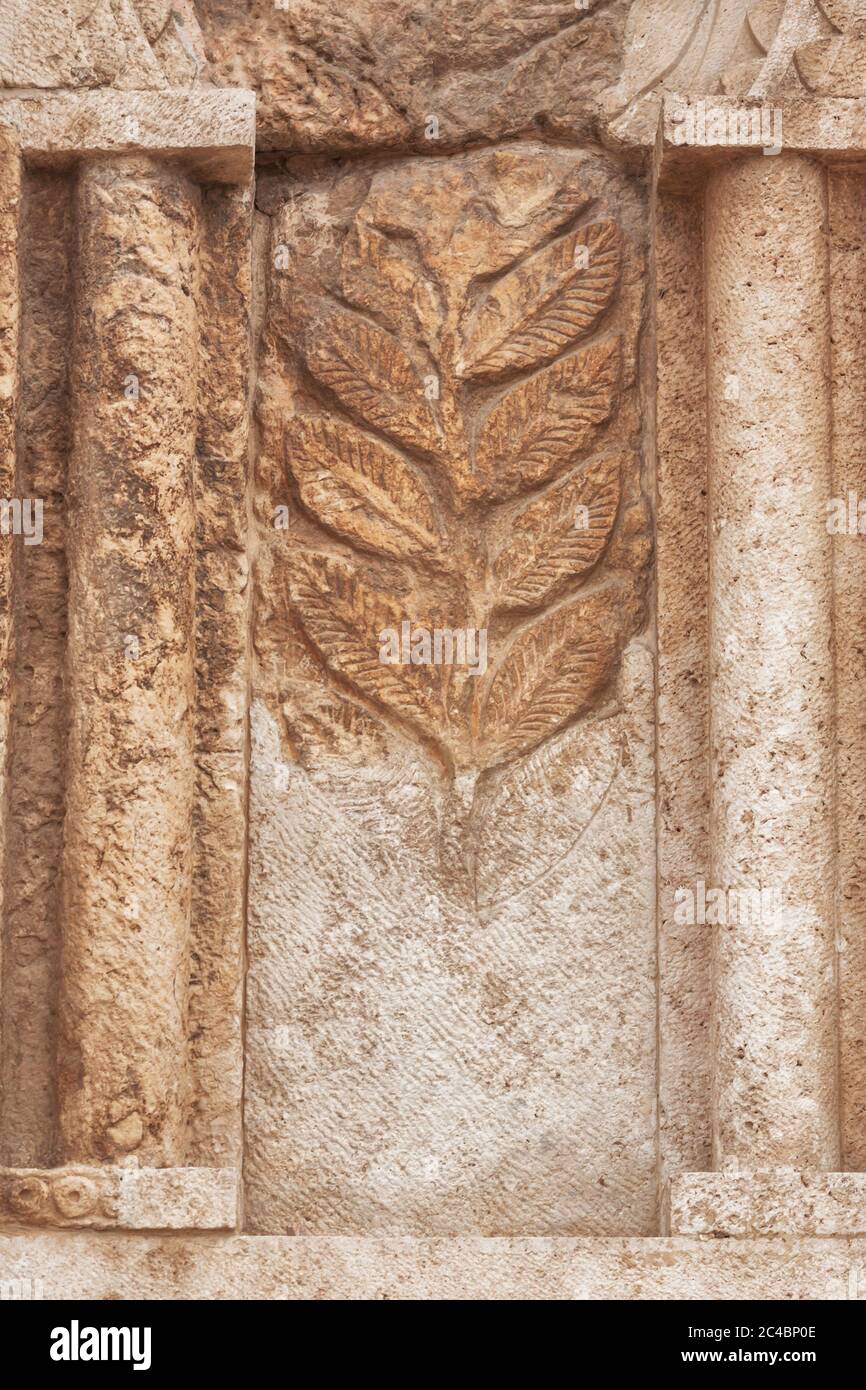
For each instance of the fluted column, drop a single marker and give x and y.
(130, 776)
(775, 1098)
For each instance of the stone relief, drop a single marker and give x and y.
(449, 412)
(473, 462)
(417, 635)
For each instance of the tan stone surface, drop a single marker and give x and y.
(682, 710)
(128, 1198)
(202, 930)
(848, 309)
(30, 975)
(768, 1203)
(95, 43)
(10, 196)
(772, 811)
(451, 994)
(222, 628)
(123, 1077)
(396, 941)
(372, 75)
(212, 133)
(322, 1267)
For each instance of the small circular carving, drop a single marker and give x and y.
(74, 1196)
(27, 1196)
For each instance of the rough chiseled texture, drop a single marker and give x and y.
(451, 987)
(82, 1265)
(130, 685)
(772, 818)
(768, 1203)
(124, 1198)
(130, 44)
(390, 936)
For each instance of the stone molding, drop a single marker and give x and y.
(120, 1198)
(131, 253)
(771, 1202)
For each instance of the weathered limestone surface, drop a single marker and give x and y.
(34, 808)
(342, 1267)
(434, 587)
(682, 710)
(767, 1203)
(130, 684)
(125, 860)
(847, 213)
(210, 133)
(81, 43)
(772, 820)
(125, 1198)
(451, 993)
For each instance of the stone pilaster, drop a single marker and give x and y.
(10, 181)
(127, 852)
(775, 1101)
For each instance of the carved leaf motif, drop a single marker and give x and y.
(549, 675)
(387, 278)
(369, 372)
(558, 537)
(343, 617)
(536, 310)
(532, 813)
(538, 427)
(362, 489)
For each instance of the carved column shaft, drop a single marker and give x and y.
(772, 707)
(127, 851)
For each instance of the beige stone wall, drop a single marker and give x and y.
(419, 429)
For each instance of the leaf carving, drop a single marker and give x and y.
(387, 278)
(363, 489)
(535, 430)
(550, 674)
(369, 372)
(532, 813)
(536, 310)
(558, 537)
(343, 618)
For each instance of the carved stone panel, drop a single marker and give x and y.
(451, 997)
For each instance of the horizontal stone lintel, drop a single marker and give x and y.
(120, 1198)
(87, 1265)
(768, 1202)
(213, 133)
(696, 134)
